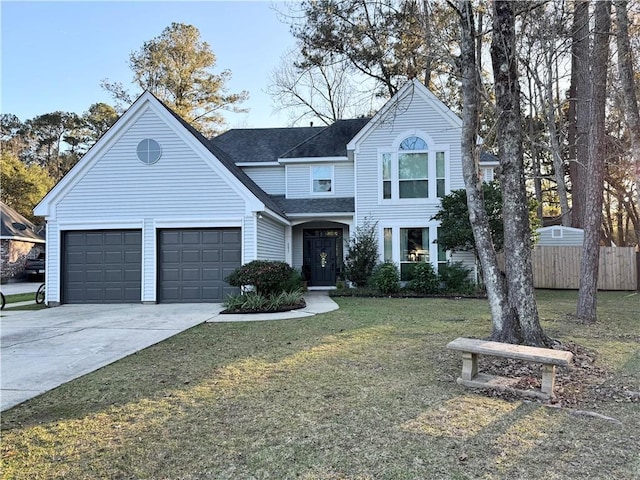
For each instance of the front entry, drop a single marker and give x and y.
(321, 256)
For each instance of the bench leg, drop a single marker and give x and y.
(548, 379)
(469, 365)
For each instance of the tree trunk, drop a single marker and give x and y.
(587, 297)
(580, 103)
(517, 232)
(504, 326)
(625, 68)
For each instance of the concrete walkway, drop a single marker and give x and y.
(43, 349)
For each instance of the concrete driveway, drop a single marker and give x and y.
(45, 348)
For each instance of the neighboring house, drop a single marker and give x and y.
(559, 236)
(155, 212)
(19, 240)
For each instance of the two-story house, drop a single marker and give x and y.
(155, 212)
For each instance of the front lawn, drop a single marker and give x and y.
(365, 392)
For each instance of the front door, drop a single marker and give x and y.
(323, 261)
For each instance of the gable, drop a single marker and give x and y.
(110, 176)
(180, 183)
(413, 105)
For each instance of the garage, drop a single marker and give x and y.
(193, 263)
(102, 266)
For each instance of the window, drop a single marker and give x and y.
(414, 248)
(322, 180)
(487, 174)
(149, 151)
(413, 172)
(386, 175)
(556, 233)
(388, 245)
(442, 256)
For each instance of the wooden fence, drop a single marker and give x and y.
(559, 267)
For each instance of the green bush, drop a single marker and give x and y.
(455, 278)
(362, 255)
(424, 279)
(385, 278)
(267, 277)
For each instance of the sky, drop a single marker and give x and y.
(54, 54)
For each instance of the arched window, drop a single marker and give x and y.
(415, 170)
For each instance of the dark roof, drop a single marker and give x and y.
(315, 205)
(229, 164)
(330, 142)
(488, 157)
(262, 144)
(12, 223)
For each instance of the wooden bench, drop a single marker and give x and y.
(471, 348)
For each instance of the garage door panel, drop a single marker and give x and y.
(102, 266)
(230, 256)
(191, 237)
(211, 274)
(171, 256)
(191, 264)
(211, 237)
(231, 237)
(191, 256)
(211, 255)
(190, 274)
(94, 239)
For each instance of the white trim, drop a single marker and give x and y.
(257, 164)
(312, 160)
(172, 223)
(432, 179)
(146, 101)
(101, 225)
(408, 88)
(570, 229)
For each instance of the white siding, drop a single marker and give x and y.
(413, 116)
(52, 272)
(121, 187)
(559, 236)
(271, 240)
(149, 264)
(118, 191)
(270, 179)
(299, 180)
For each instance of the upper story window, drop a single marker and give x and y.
(322, 180)
(414, 171)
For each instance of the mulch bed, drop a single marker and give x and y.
(284, 308)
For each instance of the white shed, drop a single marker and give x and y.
(559, 236)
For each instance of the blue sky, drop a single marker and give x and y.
(54, 54)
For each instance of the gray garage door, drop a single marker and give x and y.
(193, 264)
(102, 266)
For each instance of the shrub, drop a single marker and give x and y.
(267, 277)
(424, 279)
(254, 302)
(455, 278)
(362, 255)
(386, 278)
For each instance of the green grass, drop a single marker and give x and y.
(365, 392)
(20, 297)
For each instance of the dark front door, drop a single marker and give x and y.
(323, 261)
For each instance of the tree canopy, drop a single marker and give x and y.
(177, 67)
